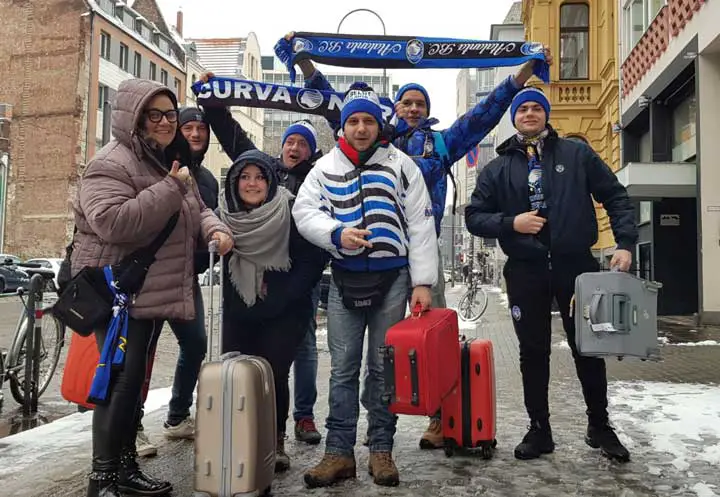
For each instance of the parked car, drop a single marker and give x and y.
(4, 257)
(11, 276)
(50, 263)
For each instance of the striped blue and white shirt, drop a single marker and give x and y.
(387, 196)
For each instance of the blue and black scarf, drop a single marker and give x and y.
(226, 92)
(112, 356)
(407, 52)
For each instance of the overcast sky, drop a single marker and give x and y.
(271, 20)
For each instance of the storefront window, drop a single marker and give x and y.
(684, 121)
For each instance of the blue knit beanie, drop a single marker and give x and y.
(305, 129)
(357, 100)
(530, 94)
(413, 86)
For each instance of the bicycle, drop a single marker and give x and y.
(474, 301)
(12, 361)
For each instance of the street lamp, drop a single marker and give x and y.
(385, 92)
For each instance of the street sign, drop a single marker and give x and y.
(472, 157)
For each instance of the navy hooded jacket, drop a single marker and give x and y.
(287, 291)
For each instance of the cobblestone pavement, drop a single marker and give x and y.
(573, 470)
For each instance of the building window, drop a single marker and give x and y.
(176, 85)
(645, 212)
(164, 77)
(574, 39)
(163, 45)
(153, 71)
(684, 121)
(102, 97)
(124, 53)
(105, 45)
(637, 17)
(137, 65)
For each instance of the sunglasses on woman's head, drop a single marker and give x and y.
(156, 115)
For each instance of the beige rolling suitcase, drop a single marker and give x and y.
(235, 430)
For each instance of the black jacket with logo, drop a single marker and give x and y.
(572, 172)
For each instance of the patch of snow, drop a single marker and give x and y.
(703, 343)
(70, 434)
(663, 340)
(678, 419)
(563, 344)
(704, 490)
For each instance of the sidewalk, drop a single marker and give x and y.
(668, 413)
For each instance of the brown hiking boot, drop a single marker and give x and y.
(332, 469)
(383, 470)
(282, 460)
(433, 437)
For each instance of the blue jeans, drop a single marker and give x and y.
(192, 339)
(305, 367)
(346, 333)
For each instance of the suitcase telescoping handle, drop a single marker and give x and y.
(213, 250)
(620, 313)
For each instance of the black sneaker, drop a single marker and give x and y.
(603, 437)
(536, 442)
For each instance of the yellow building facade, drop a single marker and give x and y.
(584, 88)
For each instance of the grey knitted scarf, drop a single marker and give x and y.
(262, 240)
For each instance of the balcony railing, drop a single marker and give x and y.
(573, 93)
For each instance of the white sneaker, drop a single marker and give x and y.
(184, 430)
(144, 447)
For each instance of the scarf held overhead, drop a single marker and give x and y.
(227, 92)
(262, 243)
(405, 52)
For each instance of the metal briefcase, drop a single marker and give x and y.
(616, 315)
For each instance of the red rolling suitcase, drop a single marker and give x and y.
(468, 413)
(421, 361)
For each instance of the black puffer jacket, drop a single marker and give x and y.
(572, 172)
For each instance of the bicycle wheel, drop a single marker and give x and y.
(52, 329)
(465, 310)
(473, 305)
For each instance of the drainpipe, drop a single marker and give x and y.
(621, 85)
(91, 14)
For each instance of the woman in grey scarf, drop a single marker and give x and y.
(271, 272)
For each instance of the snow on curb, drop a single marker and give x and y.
(680, 419)
(68, 435)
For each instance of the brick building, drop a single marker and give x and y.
(63, 61)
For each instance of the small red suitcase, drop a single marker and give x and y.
(468, 413)
(421, 361)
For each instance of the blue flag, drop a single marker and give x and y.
(407, 52)
(112, 356)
